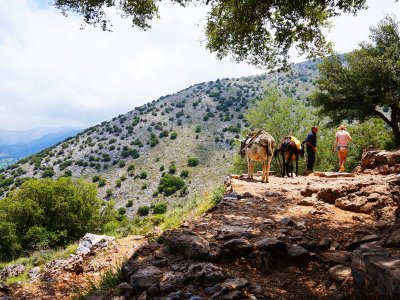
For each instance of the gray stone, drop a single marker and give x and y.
(145, 278)
(298, 253)
(238, 246)
(271, 245)
(205, 272)
(91, 241)
(12, 271)
(269, 222)
(211, 290)
(261, 260)
(235, 283)
(125, 289)
(170, 281)
(287, 221)
(339, 273)
(393, 240)
(363, 240)
(376, 273)
(195, 298)
(34, 273)
(188, 243)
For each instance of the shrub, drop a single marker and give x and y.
(172, 169)
(131, 167)
(45, 212)
(143, 175)
(169, 184)
(143, 210)
(198, 129)
(160, 208)
(184, 174)
(102, 182)
(96, 178)
(121, 164)
(163, 134)
(130, 203)
(109, 193)
(122, 211)
(173, 135)
(48, 173)
(193, 161)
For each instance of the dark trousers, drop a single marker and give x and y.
(310, 158)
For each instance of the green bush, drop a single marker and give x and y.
(96, 178)
(48, 172)
(173, 135)
(169, 184)
(130, 203)
(193, 161)
(121, 164)
(118, 183)
(160, 208)
(46, 212)
(184, 174)
(131, 167)
(143, 210)
(122, 210)
(102, 182)
(143, 175)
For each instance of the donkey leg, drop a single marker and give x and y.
(297, 165)
(251, 169)
(283, 164)
(269, 158)
(264, 173)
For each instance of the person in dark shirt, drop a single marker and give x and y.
(311, 146)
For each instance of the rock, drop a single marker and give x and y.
(232, 295)
(125, 289)
(353, 203)
(195, 298)
(170, 281)
(235, 283)
(376, 273)
(238, 246)
(211, 290)
(188, 243)
(91, 241)
(298, 254)
(269, 222)
(306, 202)
(393, 240)
(12, 271)
(363, 240)
(337, 257)
(205, 273)
(174, 296)
(145, 278)
(329, 195)
(271, 245)
(261, 260)
(34, 273)
(339, 273)
(286, 221)
(118, 298)
(308, 191)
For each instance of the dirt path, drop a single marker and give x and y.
(319, 219)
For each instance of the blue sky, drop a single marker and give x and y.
(54, 74)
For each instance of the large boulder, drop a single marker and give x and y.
(380, 162)
(91, 241)
(376, 273)
(188, 243)
(12, 271)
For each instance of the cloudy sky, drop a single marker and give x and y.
(53, 74)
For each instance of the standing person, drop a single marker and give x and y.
(311, 146)
(341, 145)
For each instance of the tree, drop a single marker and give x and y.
(260, 32)
(368, 84)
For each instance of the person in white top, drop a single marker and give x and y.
(341, 146)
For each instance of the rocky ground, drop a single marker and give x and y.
(324, 236)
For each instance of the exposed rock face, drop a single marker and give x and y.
(376, 273)
(186, 242)
(380, 162)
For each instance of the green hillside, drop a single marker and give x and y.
(128, 154)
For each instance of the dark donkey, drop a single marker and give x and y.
(291, 149)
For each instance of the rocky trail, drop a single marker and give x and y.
(324, 236)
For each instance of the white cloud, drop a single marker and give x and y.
(53, 74)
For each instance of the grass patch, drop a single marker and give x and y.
(109, 279)
(38, 258)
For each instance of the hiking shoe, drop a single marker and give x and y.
(341, 168)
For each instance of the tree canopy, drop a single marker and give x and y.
(367, 83)
(259, 32)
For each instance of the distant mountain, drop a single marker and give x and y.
(15, 145)
(131, 153)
